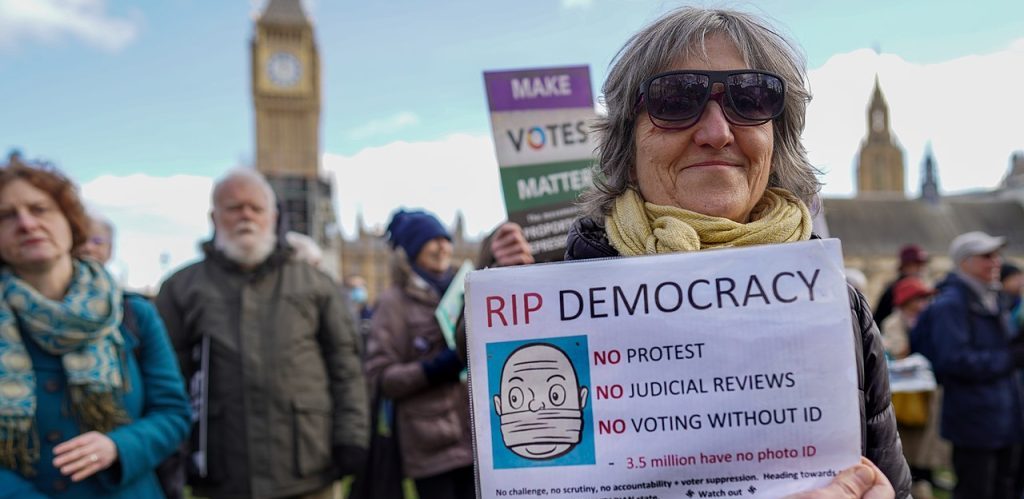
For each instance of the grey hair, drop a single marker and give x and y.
(245, 175)
(96, 217)
(681, 33)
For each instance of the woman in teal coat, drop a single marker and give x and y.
(88, 406)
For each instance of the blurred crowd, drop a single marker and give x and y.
(254, 338)
(252, 374)
(956, 355)
(249, 374)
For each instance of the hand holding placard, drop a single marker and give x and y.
(864, 480)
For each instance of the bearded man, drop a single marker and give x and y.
(280, 382)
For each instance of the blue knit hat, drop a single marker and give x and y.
(410, 230)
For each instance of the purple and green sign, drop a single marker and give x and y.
(541, 120)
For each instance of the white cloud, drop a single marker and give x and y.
(954, 104)
(459, 172)
(382, 126)
(49, 21)
(159, 222)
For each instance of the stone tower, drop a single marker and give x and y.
(880, 170)
(1015, 175)
(286, 97)
(930, 179)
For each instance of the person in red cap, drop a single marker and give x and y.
(910, 296)
(921, 444)
(913, 262)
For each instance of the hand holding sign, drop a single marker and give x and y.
(864, 480)
(540, 119)
(509, 246)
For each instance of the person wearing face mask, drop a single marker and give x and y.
(354, 289)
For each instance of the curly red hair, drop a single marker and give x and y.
(63, 191)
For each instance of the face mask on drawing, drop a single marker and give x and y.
(541, 403)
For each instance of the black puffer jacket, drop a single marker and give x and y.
(879, 441)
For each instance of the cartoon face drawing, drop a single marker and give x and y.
(541, 402)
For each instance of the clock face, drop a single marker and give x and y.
(284, 69)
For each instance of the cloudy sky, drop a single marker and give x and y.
(145, 103)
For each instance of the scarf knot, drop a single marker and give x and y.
(636, 227)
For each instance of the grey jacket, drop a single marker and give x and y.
(285, 381)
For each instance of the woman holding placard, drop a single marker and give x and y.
(701, 149)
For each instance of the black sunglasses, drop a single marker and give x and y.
(676, 100)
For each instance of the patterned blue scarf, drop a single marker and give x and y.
(82, 329)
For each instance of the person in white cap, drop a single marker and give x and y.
(965, 334)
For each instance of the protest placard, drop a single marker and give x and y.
(541, 122)
(726, 373)
(449, 309)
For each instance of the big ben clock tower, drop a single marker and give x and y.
(880, 168)
(286, 96)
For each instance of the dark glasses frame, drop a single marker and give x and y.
(724, 98)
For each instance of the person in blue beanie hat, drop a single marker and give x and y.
(426, 244)
(410, 362)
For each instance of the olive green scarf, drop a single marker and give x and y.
(636, 227)
(82, 329)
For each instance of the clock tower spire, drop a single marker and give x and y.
(286, 91)
(880, 170)
(286, 98)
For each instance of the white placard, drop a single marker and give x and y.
(727, 373)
